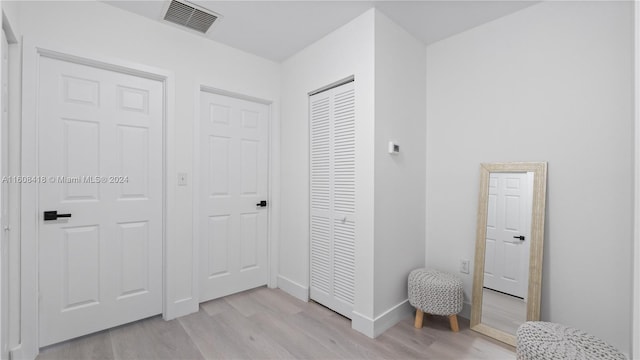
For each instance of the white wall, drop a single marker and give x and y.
(553, 82)
(94, 29)
(399, 179)
(345, 52)
(389, 70)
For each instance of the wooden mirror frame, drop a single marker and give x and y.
(539, 170)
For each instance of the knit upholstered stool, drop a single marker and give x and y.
(545, 340)
(435, 292)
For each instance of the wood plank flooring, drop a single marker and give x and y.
(269, 324)
(502, 311)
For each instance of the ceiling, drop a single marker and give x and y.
(278, 29)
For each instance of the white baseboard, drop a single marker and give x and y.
(293, 288)
(375, 327)
(19, 352)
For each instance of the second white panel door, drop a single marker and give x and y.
(233, 224)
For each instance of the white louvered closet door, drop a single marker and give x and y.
(332, 126)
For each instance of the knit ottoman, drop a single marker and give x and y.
(545, 340)
(435, 292)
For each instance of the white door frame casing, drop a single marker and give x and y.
(29, 214)
(273, 189)
(635, 331)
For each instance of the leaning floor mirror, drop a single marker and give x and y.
(509, 240)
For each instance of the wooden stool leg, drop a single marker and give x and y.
(419, 317)
(453, 321)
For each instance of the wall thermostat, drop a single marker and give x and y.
(394, 148)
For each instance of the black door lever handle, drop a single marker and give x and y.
(521, 237)
(262, 203)
(53, 215)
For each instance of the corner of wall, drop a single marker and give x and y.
(10, 20)
(293, 288)
(375, 327)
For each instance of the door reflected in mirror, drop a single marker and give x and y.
(506, 289)
(506, 261)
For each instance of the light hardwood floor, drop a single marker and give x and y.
(269, 324)
(502, 311)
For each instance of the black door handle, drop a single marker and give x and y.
(521, 237)
(262, 203)
(53, 215)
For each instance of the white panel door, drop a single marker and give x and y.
(508, 234)
(332, 198)
(100, 153)
(234, 159)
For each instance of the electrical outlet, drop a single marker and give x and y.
(182, 179)
(464, 266)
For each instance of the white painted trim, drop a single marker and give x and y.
(195, 183)
(29, 215)
(274, 195)
(273, 190)
(4, 235)
(214, 90)
(293, 288)
(375, 327)
(334, 84)
(635, 333)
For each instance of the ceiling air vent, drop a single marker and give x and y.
(187, 15)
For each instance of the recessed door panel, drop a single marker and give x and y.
(81, 267)
(134, 258)
(249, 175)
(218, 249)
(512, 213)
(131, 99)
(249, 238)
(80, 91)
(81, 154)
(133, 146)
(219, 165)
(219, 114)
(250, 119)
(511, 263)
